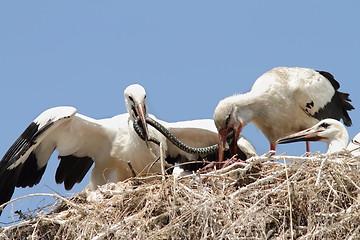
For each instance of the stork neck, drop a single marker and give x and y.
(337, 144)
(246, 106)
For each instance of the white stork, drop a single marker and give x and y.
(354, 145)
(110, 143)
(283, 101)
(329, 131)
(80, 141)
(198, 134)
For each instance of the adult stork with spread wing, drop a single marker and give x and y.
(109, 143)
(81, 141)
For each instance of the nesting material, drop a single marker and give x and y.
(281, 197)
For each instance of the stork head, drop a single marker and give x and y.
(227, 121)
(328, 130)
(135, 101)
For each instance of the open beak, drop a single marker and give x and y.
(236, 135)
(222, 143)
(309, 134)
(140, 111)
(223, 136)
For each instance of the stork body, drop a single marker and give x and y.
(194, 143)
(109, 143)
(354, 145)
(283, 101)
(330, 131)
(197, 134)
(80, 141)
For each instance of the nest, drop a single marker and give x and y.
(280, 197)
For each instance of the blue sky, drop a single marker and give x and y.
(187, 54)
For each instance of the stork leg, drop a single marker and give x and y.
(272, 147)
(307, 146)
(271, 152)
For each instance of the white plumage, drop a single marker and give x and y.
(330, 131)
(354, 145)
(283, 101)
(80, 140)
(110, 143)
(201, 133)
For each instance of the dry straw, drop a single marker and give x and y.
(313, 197)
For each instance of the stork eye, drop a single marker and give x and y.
(131, 99)
(325, 125)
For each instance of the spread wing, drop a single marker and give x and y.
(79, 140)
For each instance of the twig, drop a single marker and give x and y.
(128, 191)
(213, 208)
(274, 190)
(152, 164)
(107, 231)
(162, 160)
(320, 171)
(290, 203)
(264, 180)
(332, 189)
(84, 211)
(29, 223)
(355, 233)
(134, 173)
(33, 234)
(348, 220)
(291, 158)
(199, 196)
(18, 225)
(239, 167)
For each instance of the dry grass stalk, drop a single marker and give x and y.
(306, 198)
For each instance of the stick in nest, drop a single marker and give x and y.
(70, 203)
(133, 171)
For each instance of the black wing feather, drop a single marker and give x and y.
(26, 173)
(30, 173)
(339, 104)
(72, 170)
(7, 184)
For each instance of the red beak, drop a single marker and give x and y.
(234, 143)
(140, 110)
(222, 143)
(309, 134)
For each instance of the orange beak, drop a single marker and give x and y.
(223, 135)
(235, 138)
(222, 143)
(140, 111)
(306, 135)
